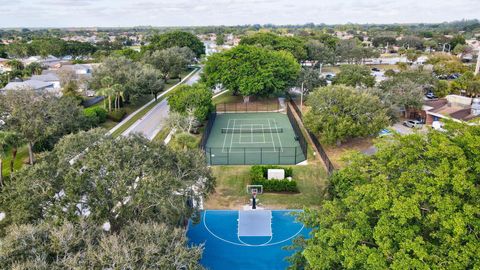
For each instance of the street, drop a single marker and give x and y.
(150, 124)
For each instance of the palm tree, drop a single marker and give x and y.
(107, 90)
(118, 90)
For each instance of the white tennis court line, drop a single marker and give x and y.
(225, 138)
(231, 139)
(278, 136)
(271, 134)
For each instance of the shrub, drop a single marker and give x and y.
(95, 115)
(117, 116)
(259, 174)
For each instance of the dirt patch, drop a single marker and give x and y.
(337, 153)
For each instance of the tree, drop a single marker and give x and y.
(34, 68)
(351, 51)
(457, 40)
(171, 61)
(121, 71)
(355, 75)
(196, 99)
(383, 41)
(441, 88)
(319, 52)
(39, 116)
(71, 90)
(279, 43)
(220, 39)
(338, 113)
(150, 81)
(115, 180)
(4, 147)
(68, 246)
(310, 79)
(412, 205)
(176, 39)
(250, 70)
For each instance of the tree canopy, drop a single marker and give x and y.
(355, 75)
(272, 41)
(141, 193)
(338, 113)
(250, 70)
(195, 99)
(176, 39)
(412, 205)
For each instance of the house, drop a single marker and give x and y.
(31, 84)
(452, 107)
(49, 78)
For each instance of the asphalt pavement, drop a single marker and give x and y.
(152, 122)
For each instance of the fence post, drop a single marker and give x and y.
(228, 156)
(295, 155)
(278, 155)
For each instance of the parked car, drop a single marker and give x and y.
(430, 95)
(385, 132)
(376, 69)
(413, 124)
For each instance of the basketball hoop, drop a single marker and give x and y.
(254, 190)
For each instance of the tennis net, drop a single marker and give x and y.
(252, 130)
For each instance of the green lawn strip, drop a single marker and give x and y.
(232, 180)
(162, 135)
(144, 111)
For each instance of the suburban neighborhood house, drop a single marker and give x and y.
(452, 107)
(32, 84)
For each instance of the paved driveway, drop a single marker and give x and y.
(151, 123)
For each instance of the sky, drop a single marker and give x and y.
(125, 13)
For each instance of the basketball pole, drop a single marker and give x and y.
(254, 201)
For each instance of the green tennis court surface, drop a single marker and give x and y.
(253, 138)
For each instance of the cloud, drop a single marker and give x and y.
(58, 13)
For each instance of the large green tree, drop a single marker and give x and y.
(338, 113)
(293, 45)
(355, 75)
(176, 39)
(412, 205)
(38, 117)
(252, 71)
(194, 99)
(171, 61)
(100, 179)
(83, 246)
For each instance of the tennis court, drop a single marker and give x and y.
(253, 138)
(250, 239)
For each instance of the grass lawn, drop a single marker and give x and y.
(231, 181)
(227, 98)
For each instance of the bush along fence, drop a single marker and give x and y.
(208, 129)
(318, 146)
(259, 174)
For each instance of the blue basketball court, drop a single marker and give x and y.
(251, 239)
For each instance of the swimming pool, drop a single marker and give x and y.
(227, 248)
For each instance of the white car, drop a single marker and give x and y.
(413, 124)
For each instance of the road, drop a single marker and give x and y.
(152, 122)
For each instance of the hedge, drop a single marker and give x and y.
(117, 116)
(95, 115)
(259, 174)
